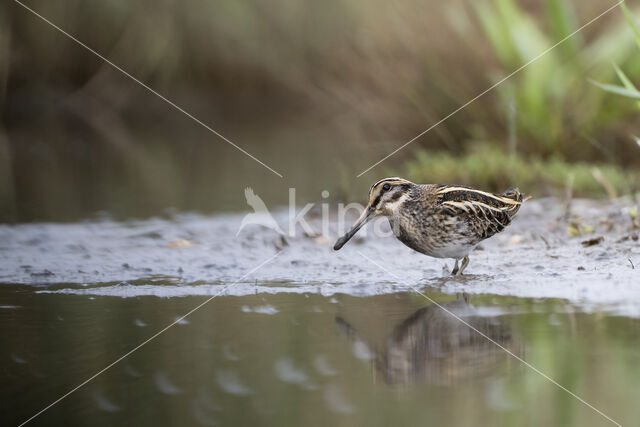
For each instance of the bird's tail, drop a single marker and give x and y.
(515, 195)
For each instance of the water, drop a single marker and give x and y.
(293, 359)
(317, 337)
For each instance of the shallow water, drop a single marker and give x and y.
(294, 359)
(314, 336)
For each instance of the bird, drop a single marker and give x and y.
(438, 220)
(434, 347)
(260, 216)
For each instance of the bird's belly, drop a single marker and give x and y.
(437, 243)
(457, 251)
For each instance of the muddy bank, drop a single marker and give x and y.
(187, 254)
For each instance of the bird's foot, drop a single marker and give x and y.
(455, 270)
(465, 262)
(458, 270)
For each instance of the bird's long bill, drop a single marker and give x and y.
(367, 214)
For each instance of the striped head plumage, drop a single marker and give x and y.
(385, 198)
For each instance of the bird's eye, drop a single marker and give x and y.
(386, 187)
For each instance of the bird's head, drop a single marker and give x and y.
(385, 196)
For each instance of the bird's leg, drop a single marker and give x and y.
(465, 262)
(455, 268)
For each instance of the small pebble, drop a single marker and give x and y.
(44, 273)
(592, 242)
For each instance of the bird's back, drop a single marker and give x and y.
(485, 213)
(447, 221)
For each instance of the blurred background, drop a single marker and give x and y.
(319, 91)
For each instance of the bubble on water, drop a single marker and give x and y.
(229, 382)
(165, 385)
(131, 371)
(180, 321)
(139, 323)
(228, 354)
(322, 366)
(104, 403)
(361, 350)
(17, 359)
(261, 309)
(336, 400)
(287, 372)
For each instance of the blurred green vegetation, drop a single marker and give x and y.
(555, 112)
(488, 166)
(555, 121)
(317, 91)
(627, 89)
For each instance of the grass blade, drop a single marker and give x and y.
(561, 18)
(624, 79)
(632, 24)
(618, 90)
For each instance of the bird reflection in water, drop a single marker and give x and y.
(433, 346)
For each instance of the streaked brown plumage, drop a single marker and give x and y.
(434, 347)
(442, 221)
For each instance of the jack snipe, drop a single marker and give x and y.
(442, 221)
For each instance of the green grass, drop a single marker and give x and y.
(487, 166)
(556, 109)
(555, 124)
(627, 89)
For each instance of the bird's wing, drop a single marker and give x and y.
(254, 200)
(488, 212)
